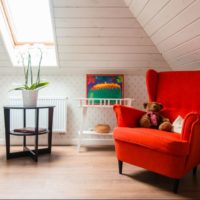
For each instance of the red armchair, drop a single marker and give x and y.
(165, 153)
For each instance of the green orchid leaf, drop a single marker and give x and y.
(33, 86)
(41, 84)
(18, 88)
(29, 83)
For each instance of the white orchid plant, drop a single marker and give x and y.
(26, 59)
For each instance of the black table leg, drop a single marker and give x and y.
(24, 123)
(36, 133)
(50, 124)
(7, 131)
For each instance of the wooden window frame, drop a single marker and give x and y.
(8, 22)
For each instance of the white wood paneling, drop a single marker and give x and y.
(4, 58)
(128, 2)
(2, 49)
(110, 57)
(174, 27)
(112, 41)
(99, 32)
(107, 49)
(102, 33)
(150, 10)
(4, 63)
(193, 65)
(95, 34)
(167, 13)
(179, 23)
(137, 6)
(97, 23)
(111, 64)
(88, 3)
(184, 49)
(189, 58)
(177, 39)
(92, 12)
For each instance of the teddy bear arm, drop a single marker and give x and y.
(165, 126)
(164, 119)
(145, 121)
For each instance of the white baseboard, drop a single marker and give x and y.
(84, 142)
(60, 142)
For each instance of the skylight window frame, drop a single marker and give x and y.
(49, 49)
(12, 32)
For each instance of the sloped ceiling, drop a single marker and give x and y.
(99, 36)
(174, 27)
(4, 58)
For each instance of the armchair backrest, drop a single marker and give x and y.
(178, 91)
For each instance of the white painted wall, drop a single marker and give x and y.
(72, 86)
(174, 27)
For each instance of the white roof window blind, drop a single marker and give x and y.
(29, 23)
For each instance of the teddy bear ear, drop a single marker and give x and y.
(145, 105)
(161, 106)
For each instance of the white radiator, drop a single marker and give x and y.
(59, 117)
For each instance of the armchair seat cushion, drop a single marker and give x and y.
(169, 143)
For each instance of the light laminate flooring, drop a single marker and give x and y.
(91, 174)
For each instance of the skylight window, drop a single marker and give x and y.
(29, 20)
(28, 23)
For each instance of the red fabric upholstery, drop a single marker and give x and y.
(159, 162)
(151, 80)
(166, 153)
(178, 91)
(125, 116)
(154, 139)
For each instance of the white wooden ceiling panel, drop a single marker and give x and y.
(107, 49)
(189, 58)
(180, 37)
(167, 13)
(94, 33)
(150, 10)
(174, 28)
(4, 58)
(111, 64)
(92, 12)
(184, 49)
(137, 6)
(101, 34)
(179, 23)
(112, 41)
(97, 23)
(89, 3)
(3, 55)
(110, 57)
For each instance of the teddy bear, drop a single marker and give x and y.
(153, 119)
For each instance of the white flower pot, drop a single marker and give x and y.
(30, 97)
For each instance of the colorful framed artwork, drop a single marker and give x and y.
(107, 86)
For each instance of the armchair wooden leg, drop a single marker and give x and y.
(176, 185)
(194, 170)
(120, 166)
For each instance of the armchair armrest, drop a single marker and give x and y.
(191, 133)
(191, 124)
(127, 116)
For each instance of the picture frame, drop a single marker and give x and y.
(105, 86)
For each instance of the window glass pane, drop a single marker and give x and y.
(30, 20)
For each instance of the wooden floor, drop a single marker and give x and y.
(90, 174)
